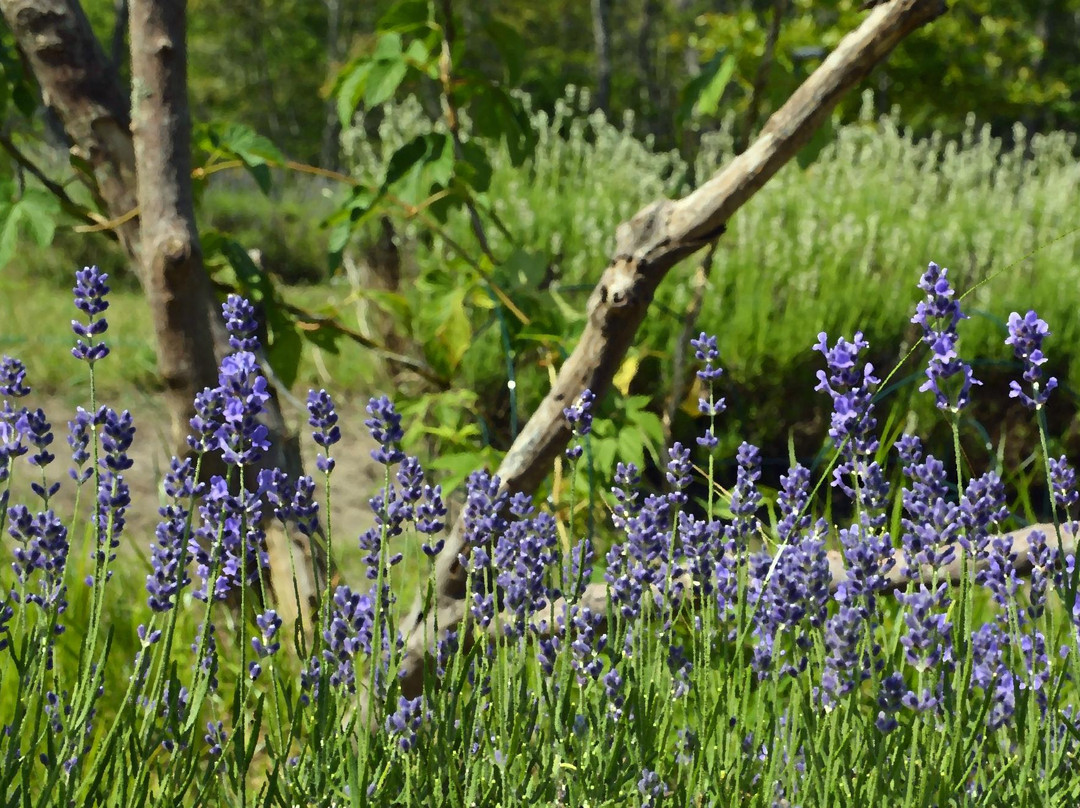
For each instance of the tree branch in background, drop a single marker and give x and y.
(647, 247)
(70, 206)
(761, 76)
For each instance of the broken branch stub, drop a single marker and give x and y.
(647, 247)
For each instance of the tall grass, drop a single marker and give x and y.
(713, 657)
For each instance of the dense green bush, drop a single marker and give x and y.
(821, 247)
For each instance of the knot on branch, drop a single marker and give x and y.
(645, 232)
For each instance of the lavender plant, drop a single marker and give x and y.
(726, 652)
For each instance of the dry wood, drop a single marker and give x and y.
(646, 248)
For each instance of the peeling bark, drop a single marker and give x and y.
(647, 247)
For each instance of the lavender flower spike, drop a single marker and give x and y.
(1026, 335)
(938, 315)
(12, 378)
(90, 292)
(324, 419)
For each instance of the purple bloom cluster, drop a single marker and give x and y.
(323, 417)
(42, 551)
(938, 316)
(227, 416)
(1026, 335)
(385, 427)
(403, 724)
(168, 557)
(12, 378)
(241, 323)
(228, 547)
(706, 352)
(579, 416)
(351, 630)
(931, 524)
(851, 388)
(90, 293)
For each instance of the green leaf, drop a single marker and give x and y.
(403, 160)
(474, 169)
(406, 15)
(708, 101)
(388, 47)
(35, 213)
(286, 345)
(510, 45)
(497, 115)
(423, 162)
(522, 269)
(255, 151)
(629, 447)
(455, 332)
(351, 89)
(384, 79)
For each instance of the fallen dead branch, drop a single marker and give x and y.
(646, 248)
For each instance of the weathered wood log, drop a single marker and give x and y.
(646, 248)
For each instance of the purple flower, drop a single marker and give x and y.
(650, 786)
(324, 419)
(239, 436)
(215, 737)
(403, 724)
(522, 558)
(869, 557)
(579, 414)
(42, 547)
(351, 630)
(851, 388)
(90, 292)
(990, 672)
(931, 524)
(269, 624)
(889, 700)
(843, 666)
(1026, 335)
(79, 441)
(928, 639)
(745, 499)
(241, 323)
(705, 350)
(613, 689)
(208, 404)
(228, 546)
(938, 316)
(678, 472)
(982, 510)
(38, 431)
(12, 378)
(385, 427)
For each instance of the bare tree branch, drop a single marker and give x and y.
(647, 247)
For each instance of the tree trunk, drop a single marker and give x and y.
(646, 248)
(80, 85)
(601, 22)
(153, 215)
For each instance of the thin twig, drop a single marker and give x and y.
(66, 202)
